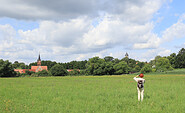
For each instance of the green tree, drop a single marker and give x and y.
(146, 69)
(126, 59)
(116, 60)
(48, 63)
(163, 64)
(100, 69)
(6, 69)
(180, 59)
(27, 72)
(108, 58)
(58, 70)
(172, 59)
(32, 64)
(136, 68)
(43, 73)
(75, 72)
(17, 65)
(140, 64)
(75, 65)
(95, 66)
(109, 68)
(121, 68)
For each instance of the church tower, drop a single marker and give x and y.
(39, 61)
(126, 55)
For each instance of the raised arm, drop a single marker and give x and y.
(135, 78)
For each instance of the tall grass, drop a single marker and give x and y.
(105, 94)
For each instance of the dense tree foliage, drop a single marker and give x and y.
(75, 65)
(29, 72)
(32, 64)
(17, 65)
(58, 70)
(109, 68)
(43, 73)
(121, 68)
(163, 64)
(180, 59)
(95, 66)
(6, 69)
(172, 59)
(75, 72)
(98, 66)
(108, 58)
(146, 69)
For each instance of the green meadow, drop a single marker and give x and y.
(164, 93)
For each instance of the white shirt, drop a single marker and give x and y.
(137, 79)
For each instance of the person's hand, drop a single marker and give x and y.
(137, 75)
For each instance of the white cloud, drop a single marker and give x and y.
(152, 42)
(175, 31)
(165, 52)
(110, 33)
(124, 23)
(7, 35)
(79, 36)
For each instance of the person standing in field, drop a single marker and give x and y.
(140, 86)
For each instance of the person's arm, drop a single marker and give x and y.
(135, 78)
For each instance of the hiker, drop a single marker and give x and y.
(140, 86)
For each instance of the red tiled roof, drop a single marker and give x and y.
(43, 67)
(33, 68)
(39, 68)
(72, 70)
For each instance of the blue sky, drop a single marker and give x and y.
(66, 30)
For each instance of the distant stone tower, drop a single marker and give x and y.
(126, 55)
(39, 61)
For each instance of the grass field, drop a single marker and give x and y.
(88, 94)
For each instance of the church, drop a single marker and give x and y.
(37, 68)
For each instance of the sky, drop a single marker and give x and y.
(67, 30)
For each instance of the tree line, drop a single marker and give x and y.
(97, 66)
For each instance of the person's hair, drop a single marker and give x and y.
(141, 75)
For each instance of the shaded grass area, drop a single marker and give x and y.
(105, 94)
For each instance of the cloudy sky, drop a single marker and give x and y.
(66, 30)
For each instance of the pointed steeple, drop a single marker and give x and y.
(126, 55)
(39, 58)
(39, 61)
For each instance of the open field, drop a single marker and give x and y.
(88, 94)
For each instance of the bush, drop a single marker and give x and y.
(24, 75)
(82, 72)
(74, 72)
(29, 72)
(153, 70)
(58, 70)
(18, 74)
(34, 75)
(43, 73)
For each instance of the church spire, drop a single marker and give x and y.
(126, 55)
(39, 58)
(39, 61)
